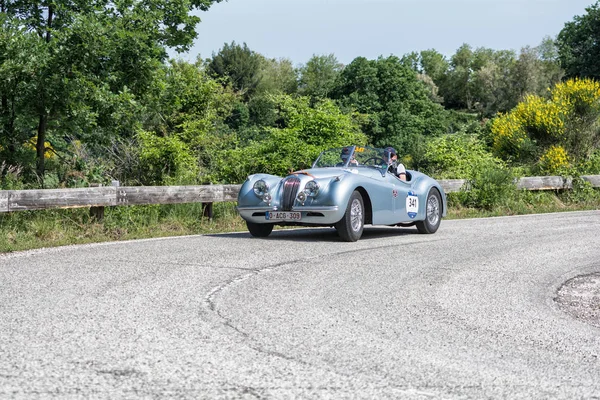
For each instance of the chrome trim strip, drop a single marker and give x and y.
(257, 208)
(301, 208)
(312, 209)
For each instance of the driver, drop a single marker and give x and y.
(391, 159)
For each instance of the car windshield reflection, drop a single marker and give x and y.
(350, 157)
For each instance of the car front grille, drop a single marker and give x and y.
(290, 190)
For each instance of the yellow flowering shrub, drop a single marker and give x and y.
(554, 160)
(576, 94)
(540, 117)
(508, 134)
(567, 120)
(48, 149)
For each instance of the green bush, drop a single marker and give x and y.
(306, 130)
(167, 160)
(490, 187)
(582, 193)
(591, 165)
(457, 156)
(10, 177)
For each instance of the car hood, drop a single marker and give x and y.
(320, 173)
(323, 172)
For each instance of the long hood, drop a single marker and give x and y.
(319, 173)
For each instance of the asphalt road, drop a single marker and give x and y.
(466, 313)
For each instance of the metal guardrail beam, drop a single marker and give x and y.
(20, 200)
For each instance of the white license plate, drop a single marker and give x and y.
(283, 216)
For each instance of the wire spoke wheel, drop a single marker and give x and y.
(356, 215)
(433, 210)
(433, 213)
(350, 227)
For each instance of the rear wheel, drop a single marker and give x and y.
(433, 213)
(350, 227)
(259, 230)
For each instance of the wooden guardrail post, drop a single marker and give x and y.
(207, 210)
(4, 194)
(97, 212)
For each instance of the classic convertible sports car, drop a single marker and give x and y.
(346, 188)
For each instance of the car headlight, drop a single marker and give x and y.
(311, 189)
(261, 188)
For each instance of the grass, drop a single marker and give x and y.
(50, 228)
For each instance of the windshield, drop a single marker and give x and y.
(350, 156)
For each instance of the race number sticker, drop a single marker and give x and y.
(412, 204)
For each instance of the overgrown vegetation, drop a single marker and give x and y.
(88, 96)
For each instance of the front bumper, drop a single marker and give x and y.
(319, 215)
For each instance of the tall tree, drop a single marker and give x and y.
(579, 44)
(239, 66)
(536, 70)
(435, 65)
(432, 69)
(89, 41)
(396, 105)
(16, 69)
(458, 91)
(317, 77)
(491, 81)
(278, 76)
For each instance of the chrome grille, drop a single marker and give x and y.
(290, 189)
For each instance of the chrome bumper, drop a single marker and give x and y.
(320, 215)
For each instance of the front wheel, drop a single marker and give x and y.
(433, 213)
(259, 230)
(350, 227)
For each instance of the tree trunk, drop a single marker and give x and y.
(8, 125)
(40, 146)
(6, 116)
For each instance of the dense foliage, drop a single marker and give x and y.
(579, 44)
(88, 95)
(395, 104)
(82, 70)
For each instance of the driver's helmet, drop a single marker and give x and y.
(388, 153)
(345, 155)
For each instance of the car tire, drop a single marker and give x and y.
(350, 227)
(433, 213)
(259, 230)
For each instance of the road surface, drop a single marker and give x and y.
(467, 313)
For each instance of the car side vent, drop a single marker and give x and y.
(290, 190)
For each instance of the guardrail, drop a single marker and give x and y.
(99, 197)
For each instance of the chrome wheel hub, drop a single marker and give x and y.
(356, 216)
(433, 210)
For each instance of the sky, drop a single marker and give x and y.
(299, 29)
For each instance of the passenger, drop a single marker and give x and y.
(346, 152)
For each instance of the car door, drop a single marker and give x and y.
(405, 202)
(388, 195)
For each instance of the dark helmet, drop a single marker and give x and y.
(389, 152)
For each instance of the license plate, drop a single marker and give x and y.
(283, 216)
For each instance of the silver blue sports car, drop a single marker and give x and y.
(346, 188)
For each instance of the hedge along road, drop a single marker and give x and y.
(468, 312)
